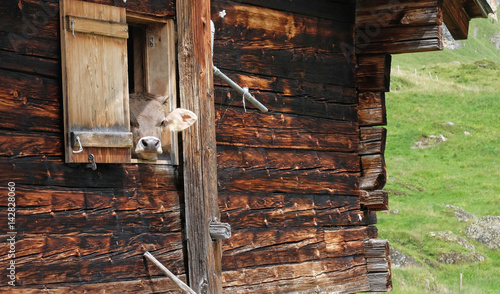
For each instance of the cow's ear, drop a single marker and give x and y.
(180, 119)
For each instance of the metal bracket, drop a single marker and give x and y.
(92, 163)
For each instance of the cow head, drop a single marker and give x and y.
(149, 117)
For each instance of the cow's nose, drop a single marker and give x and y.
(150, 144)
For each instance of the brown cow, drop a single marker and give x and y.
(148, 118)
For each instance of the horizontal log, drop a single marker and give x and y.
(15, 144)
(456, 19)
(345, 241)
(412, 46)
(376, 248)
(293, 181)
(143, 285)
(77, 259)
(374, 172)
(44, 171)
(253, 129)
(38, 200)
(374, 72)
(220, 231)
(374, 200)
(342, 11)
(27, 87)
(287, 159)
(29, 45)
(296, 217)
(159, 8)
(323, 107)
(372, 140)
(104, 221)
(308, 64)
(285, 88)
(377, 264)
(380, 282)
(399, 16)
(29, 64)
(259, 27)
(347, 275)
(371, 109)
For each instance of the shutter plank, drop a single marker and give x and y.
(95, 76)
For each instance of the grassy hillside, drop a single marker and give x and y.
(462, 87)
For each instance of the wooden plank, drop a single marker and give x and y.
(106, 95)
(342, 11)
(374, 173)
(15, 144)
(259, 27)
(380, 281)
(290, 181)
(371, 109)
(38, 200)
(76, 24)
(378, 265)
(199, 147)
(374, 72)
(254, 129)
(101, 139)
(411, 46)
(86, 258)
(143, 285)
(258, 158)
(456, 19)
(29, 64)
(394, 17)
(372, 140)
(334, 275)
(43, 171)
(157, 8)
(323, 106)
(307, 64)
(374, 200)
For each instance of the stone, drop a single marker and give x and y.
(486, 230)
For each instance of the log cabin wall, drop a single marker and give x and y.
(289, 179)
(77, 229)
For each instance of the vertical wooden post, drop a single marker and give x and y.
(199, 147)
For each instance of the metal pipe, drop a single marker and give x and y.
(240, 90)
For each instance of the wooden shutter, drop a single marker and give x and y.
(95, 82)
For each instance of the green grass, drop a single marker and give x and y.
(463, 171)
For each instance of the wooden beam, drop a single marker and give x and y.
(378, 265)
(199, 148)
(374, 200)
(371, 109)
(374, 72)
(456, 19)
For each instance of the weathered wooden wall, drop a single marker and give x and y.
(77, 230)
(289, 179)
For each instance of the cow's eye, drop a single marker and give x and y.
(163, 123)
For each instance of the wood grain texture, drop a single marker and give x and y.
(374, 172)
(373, 73)
(372, 140)
(371, 109)
(374, 200)
(199, 146)
(456, 19)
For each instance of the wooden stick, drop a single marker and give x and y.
(169, 274)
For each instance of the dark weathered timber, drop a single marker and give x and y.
(30, 64)
(374, 173)
(39, 200)
(290, 181)
(378, 265)
(240, 201)
(267, 29)
(374, 72)
(26, 87)
(371, 109)
(219, 231)
(345, 275)
(456, 19)
(15, 144)
(308, 64)
(342, 11)
(324, 107)
(45, 171)
(395, 17)
(101, 221)
(372, 140)
(374, 200)
(143, 285)
(199, 146)
(411, 46)
(289, 88)
(231, 156)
